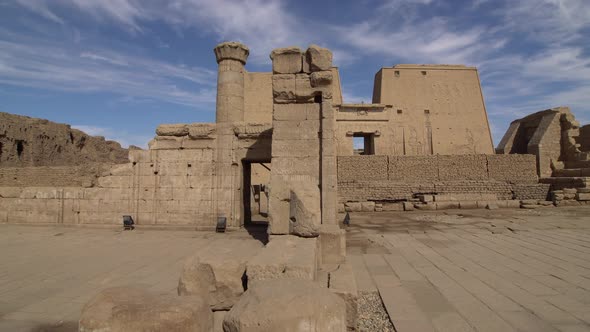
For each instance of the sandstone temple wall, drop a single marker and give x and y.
(433, 109)
(52, 176)
(158, 187)
(390, 178)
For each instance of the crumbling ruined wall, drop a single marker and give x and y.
(554, 136)
(362, 178)
(26, 141)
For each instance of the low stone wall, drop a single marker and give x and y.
(358, 191)
(396, 178)
(511, 168)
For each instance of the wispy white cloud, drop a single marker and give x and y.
(122, 137)
(47, 66)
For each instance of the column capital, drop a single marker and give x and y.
(231, 50)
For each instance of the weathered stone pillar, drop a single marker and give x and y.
(303, 149)
(231, 58)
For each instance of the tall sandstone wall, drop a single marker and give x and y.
(26, 142)
(391, 178)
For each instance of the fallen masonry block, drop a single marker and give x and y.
(332, 244)
(352, 207)
(305, 211)
(343, 283)
(509, 204)
(367, 206)
(408, 206)
(583, 196)
(285, 256)
(393, 207)
(567, 203)
(446, 205)
(529, 202)
(130, 309)
(217, 272)
(470, 205)
(425, 206)
(287, 305)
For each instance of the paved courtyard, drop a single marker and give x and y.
(48, 273)
(479, 270)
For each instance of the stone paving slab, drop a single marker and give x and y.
(508, 270)
(48, 273)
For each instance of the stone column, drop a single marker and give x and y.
(231, 58)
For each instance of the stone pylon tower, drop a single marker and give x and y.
(231, 58)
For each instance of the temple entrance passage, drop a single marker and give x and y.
(256, 185)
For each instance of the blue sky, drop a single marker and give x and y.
(118, 68)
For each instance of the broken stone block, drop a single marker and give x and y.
(393, 207)
(305, 211)
(332, 244)
(569, 190)
(569, 196)
(352, 207)
(567, 203)
(367, 206)
(426, 198)
(446, 205)
(583, 196)
(529, 202)
(129, 309)
(218, 272)
(469, 205)
(287, 305)
(583, 190)
(545, 203)
(319, 58)
(321, 78)
(343, 283)
(285, 256)
(508, 204)
(492, 206)
(425, 206)
(408, 206)
(172, 130)
(286, 60)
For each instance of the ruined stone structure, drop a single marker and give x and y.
(561, 148)
(30, 142)
(426, 133)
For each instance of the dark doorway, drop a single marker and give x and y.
(256, 185)
(363, 143)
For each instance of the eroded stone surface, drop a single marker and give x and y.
(128, 309)
(218, 272)
(287, 305)
(285, 256)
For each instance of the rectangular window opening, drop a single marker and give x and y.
(363, 143)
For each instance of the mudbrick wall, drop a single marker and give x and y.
(26, 141)
(362, 178)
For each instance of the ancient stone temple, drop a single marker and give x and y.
(286, 150)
